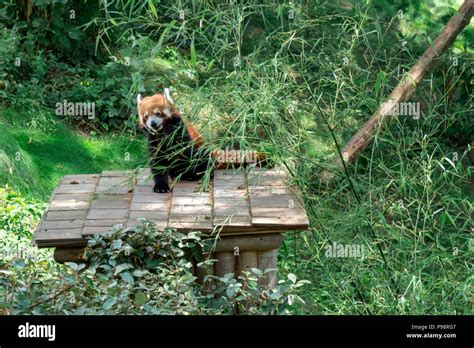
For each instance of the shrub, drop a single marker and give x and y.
(142, 272)
(18, 215)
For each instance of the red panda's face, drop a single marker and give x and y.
(154, 112)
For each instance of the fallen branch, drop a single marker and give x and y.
(404, 89)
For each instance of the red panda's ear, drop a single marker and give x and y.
(139, 101)
(167, 95)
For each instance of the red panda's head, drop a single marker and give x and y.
(155, 112)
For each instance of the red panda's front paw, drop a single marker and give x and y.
(161, 188)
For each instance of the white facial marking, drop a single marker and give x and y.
(156, 111)
(139, 99)
(157, 122)
(167, 112)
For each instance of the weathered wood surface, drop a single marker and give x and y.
(110, 203)
(68, 207)
(225, 263)
(255, 201)
(267, 261)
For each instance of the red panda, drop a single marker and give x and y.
(175, 146)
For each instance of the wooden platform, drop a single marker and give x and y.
(234, 203)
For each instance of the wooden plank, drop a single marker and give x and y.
(80, 188)
(232, 223)
(111, 197)
(231, 211)
(145, 189)
(115, 173)
(150, 206)
(57, 197)
(296, 223)
(70, 201)
(107, 214)
(280, 201)
(229, 174)
(192, 218)
(233, 195)
(274, 205)
(78, 204)
(189, 213)
(274, 181)
(190, 189)
(144, 177)
(189, 193)
(269, 191)
(90, 230)
(149, 214)
(68, 206)
(266, 173)
(279, 211)
(64, 219)
(63, 234)
(231, 203)
(147, 204)
(110, 203)
(190, 210)
(192, 200)
(103, 223)
(52, 215)
(231, 207)
(61, 224)
(187, 226)
(63, 243)
(79, 179)
(114, 185)
(149, 198)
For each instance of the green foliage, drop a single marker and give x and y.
(142, 272)
(18, 215)
(37, 150)
(53, 26)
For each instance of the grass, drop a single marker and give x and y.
(37, 150)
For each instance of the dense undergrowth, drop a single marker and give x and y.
(141, 272)
(281, 78)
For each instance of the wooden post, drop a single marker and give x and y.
(225, 263)
(247, 261)
(267, 260)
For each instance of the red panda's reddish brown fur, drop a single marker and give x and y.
(157, 117)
